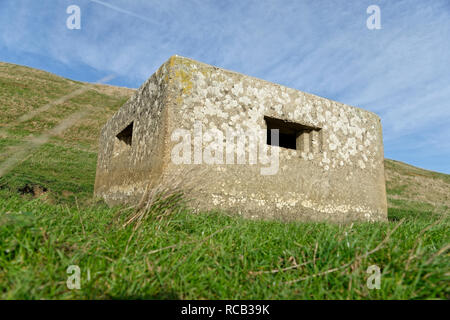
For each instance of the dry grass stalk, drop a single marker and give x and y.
(357, 258)
(295, 266)
(164, 199)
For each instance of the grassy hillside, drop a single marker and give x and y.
(49, 221)
(65, 166)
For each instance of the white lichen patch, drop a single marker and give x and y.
(344, 150)
(242, 102)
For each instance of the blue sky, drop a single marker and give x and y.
(401, 72)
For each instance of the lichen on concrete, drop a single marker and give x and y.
(338, 177)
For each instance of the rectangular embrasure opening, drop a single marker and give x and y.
(294, 135)
(123, 140)
(126, 135)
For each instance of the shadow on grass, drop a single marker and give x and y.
(396, 214)
(164, 295)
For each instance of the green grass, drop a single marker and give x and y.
(213, 256)
(66, 172)
(185, 255)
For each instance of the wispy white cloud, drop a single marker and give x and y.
(121, 10)
(400, 72)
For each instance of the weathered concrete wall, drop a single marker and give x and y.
(124, 176)
(336, 174)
